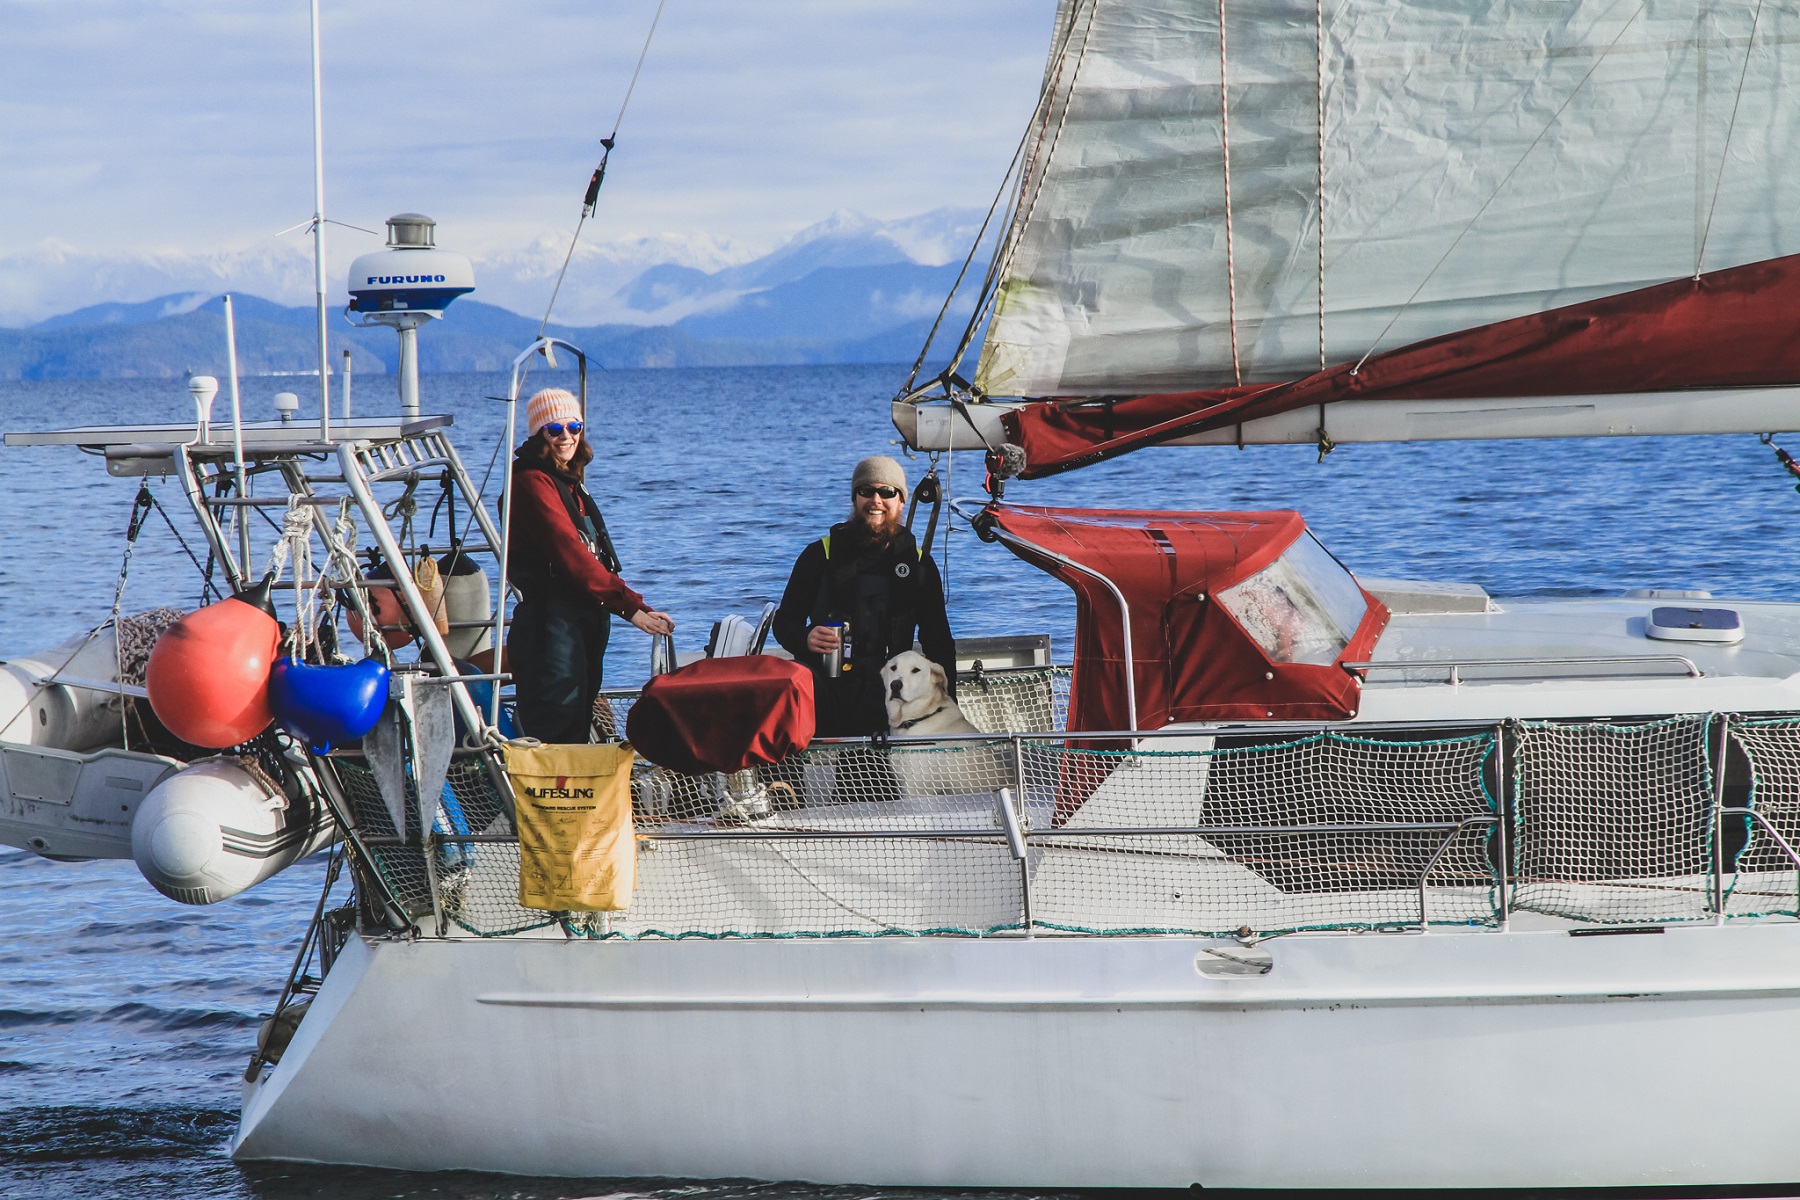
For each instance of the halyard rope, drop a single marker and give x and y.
(1237, 371)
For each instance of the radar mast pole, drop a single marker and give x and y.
(318, 224)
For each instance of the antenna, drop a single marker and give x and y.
(318, 230)
(203, 388)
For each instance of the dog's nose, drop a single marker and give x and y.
(894, 689)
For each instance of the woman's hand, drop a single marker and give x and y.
(822, 639)
(653, 623)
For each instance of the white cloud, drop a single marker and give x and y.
(136, 130)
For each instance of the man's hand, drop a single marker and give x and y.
(653, 623)
(822, 639)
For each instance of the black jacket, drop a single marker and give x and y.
(888, 596)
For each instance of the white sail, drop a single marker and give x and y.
(1479, 162)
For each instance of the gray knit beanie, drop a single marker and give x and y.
(879, 469)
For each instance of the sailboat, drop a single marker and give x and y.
(1294, 878)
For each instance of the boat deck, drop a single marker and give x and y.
(1569, 657)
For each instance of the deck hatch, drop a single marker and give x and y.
(1680, 624)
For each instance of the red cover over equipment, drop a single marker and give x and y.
(724, 714)
(1191, 660)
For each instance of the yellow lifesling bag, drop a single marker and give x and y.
(572, 807)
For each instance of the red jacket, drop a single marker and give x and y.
(546, 546)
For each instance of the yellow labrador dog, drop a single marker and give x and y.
(918, 698)
(919, 704)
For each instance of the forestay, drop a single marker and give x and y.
(1376, 173)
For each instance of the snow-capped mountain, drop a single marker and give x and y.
(847, 289)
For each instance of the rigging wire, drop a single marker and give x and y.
(1005, 253)
(1325, 442)
(1725, 151)
(912, 376)
(592, 195)
(207, 586)
(1001, 261)
(140, 512)
(1501, 186)
(1006, 183)
(950, 523)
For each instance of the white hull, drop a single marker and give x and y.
(1459, 1059)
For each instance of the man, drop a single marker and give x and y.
(867, 571)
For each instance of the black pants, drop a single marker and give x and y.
(850, 705)
(556, 649)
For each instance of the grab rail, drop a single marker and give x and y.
(1456, 667)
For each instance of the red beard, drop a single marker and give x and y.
(875, 536)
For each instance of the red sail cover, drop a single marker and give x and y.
(1730, 328)
(1192, 661)
(724, 714)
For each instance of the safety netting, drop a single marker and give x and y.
(1612, 822)
(1313, 832)
(1766, 881)
(1010, 700)
(1007, 700)
(965, 838)
(477, 883)
(1214, 833)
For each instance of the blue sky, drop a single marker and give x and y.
(174, 132)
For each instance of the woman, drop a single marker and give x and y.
(567, 574)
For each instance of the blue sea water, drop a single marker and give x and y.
(126, 1019)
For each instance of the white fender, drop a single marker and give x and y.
(468, 598)
(211, 830)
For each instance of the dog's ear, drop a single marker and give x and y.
(940, 681)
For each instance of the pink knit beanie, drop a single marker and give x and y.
(551, 404)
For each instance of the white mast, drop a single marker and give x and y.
(318, 224)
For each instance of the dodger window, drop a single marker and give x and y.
(1302, 608)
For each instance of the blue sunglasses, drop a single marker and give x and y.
(555, 428)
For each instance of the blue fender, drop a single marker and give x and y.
(327, 706)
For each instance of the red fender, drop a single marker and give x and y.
(208, 676)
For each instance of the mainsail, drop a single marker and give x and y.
(1294, 202)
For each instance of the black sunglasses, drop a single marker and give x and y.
(869, 491)
(555, 428)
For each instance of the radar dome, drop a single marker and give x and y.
(411, 275)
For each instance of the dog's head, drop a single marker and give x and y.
(912, 685)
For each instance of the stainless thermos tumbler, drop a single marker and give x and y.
(837, 660)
